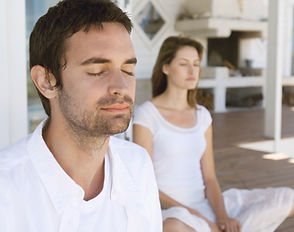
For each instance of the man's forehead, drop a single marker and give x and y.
(112, 40)
(102, 32)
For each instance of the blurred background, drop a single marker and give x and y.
(235, 70)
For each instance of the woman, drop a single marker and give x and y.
(177, 133)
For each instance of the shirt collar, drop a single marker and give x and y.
(60, 187)
(122, 181)
(63, 190)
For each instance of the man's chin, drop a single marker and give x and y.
(118, 125)
(119, 129)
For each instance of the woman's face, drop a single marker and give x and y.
(183, 71)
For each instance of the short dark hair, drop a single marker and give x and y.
(47, 40)
(166, 54)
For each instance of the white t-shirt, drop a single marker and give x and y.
(37, 195)
(176, 152)
(111, 214)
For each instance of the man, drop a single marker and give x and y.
(70, 175)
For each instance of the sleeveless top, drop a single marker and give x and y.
(176, 152)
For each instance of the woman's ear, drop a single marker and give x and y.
(44, 81)
(165, 69)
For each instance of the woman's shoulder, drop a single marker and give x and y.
(145, 115)
(202, 109)
(145, 106)
(204, 115)
(144, 111)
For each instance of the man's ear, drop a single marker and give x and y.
(44, 81)
(165, 69)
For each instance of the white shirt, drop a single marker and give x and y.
(37, 195)
(103, 208)
(176, 153)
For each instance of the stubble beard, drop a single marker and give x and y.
(94, 123)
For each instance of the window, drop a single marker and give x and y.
(150, 20)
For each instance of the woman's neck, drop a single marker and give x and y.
(174, 99)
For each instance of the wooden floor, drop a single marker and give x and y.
(241, 168)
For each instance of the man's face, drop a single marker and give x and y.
(98, 81)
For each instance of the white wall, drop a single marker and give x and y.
(253, 49)
(13, 94)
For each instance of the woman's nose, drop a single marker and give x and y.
(191, 69)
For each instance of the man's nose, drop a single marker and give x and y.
(118, 83)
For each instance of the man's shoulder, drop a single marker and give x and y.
(134, 160)
(130, 153)
(13, 155)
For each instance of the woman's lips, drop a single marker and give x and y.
(191, 79)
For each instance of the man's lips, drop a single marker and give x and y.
(118, 107)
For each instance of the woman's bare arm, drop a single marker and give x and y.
(212, 188)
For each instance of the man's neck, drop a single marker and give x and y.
(82, 160)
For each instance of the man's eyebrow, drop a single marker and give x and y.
(131, 61)
(95, 60)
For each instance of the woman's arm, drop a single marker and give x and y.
(143, 137)
(212, 188)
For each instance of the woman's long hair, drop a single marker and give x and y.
(166, 54)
